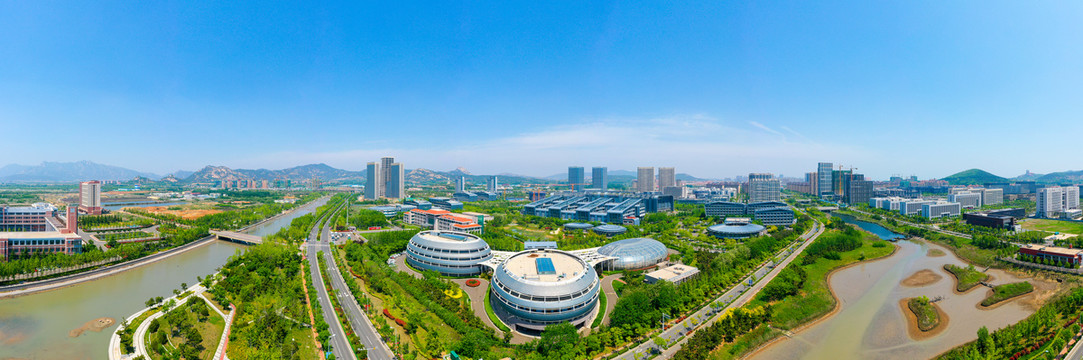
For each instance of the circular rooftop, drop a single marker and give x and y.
(736, 231)
(578, 226)
(634, 253)
(447, 252)
(545, 266)
(609, 229)
(542, 287)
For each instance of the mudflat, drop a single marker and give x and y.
(921, 278)
(95, 325)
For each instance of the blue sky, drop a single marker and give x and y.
(716, 90)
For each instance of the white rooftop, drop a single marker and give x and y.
(526, 266)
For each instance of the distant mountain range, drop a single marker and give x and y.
(67, 172)
(978, 177)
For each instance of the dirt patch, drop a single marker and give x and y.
(936, 253)
(190, 214)
(12, 338)
(921, 278)
(912, 322)
(96, 325)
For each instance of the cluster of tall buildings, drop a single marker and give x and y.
(839, 185)
(385, 179)
(599, 178)
(645, 179)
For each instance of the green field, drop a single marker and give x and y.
(1007, 291)
(926, 314)
(1053, 225)
(966, 278)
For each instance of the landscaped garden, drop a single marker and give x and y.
(966, 278)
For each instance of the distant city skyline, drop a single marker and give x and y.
(716, 90)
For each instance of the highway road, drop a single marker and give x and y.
(339, 344)
(360, 323)
(736, 297)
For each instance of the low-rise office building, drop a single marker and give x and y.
(446, 203)
(38, 230)
(1047, 253)
(967, 200)
(940, 209)
(774, 213)
(612, 207)
(675, 274)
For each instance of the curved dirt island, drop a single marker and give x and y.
(912, 327)
(96, 325)
(921, 278)
(870, 324)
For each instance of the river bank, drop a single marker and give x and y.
(869, 323)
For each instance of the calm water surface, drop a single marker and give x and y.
(36, 326)
(870, 323)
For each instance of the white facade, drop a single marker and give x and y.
(966, 199)
(90, 194)
(645, 179)
(912, 206)
(667, 177)
(1054, 200)
(763, 187)
(940, 209)
(992, 196)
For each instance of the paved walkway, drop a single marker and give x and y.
(115, 352)
(401, 266)
(610, 295)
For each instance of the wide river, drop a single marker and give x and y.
(870, 324)
(36, 326)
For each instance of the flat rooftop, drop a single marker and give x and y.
(36, 235)
(673, 273)
(545, 266)
(447, 236)
(1054, 250)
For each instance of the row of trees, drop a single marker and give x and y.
(732, 324)
(1055, 320)
(264, 285)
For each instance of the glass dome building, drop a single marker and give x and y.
(736, 231)
(578, 226)
(610, 230)
(634, 253)
(448, 252)
(533, 289)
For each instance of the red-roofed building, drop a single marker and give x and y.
(438, 219)
(424, 218)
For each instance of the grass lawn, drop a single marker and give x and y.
(1007, 291)
(492, 316)
(926, 314)
(531, 233)
(814, 298)
(744, 343)
(601, 309)
(965, 277)
(1053, 225)
(307, 347)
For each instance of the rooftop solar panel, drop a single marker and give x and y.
(545, 266)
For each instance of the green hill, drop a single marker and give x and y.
(973, 177)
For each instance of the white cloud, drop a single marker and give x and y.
(696, 144)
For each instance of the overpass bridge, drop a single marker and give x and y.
(247, 239)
